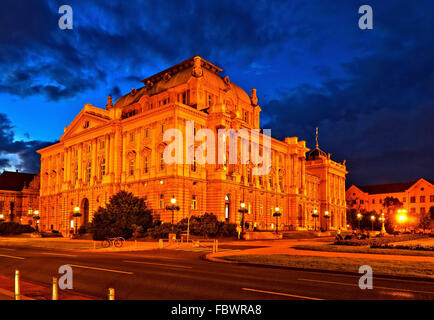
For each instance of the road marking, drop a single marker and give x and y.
(281, 294)
(101, 269)
(58, 254)
(13, 257)
(160, 264)
(356, 285)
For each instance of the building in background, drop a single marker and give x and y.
(19, 196)
(121, 147)
(416, 196)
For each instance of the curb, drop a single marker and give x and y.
(208, 257)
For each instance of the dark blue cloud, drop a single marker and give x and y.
(370, 92)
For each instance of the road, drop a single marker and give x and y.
(183, 275)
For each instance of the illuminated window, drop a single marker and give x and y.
(161, 201)
(162, 160)
(88, 172)
(194, 202)
(102, 167)
(131, 167)
(146, 164)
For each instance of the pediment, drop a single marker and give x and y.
(84, 121)
(421, 183)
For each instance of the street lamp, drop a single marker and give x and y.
(314, 216)
(2, 217)
(36, 217)
(277, 214)
(326, 217)
(173, 207)
(76, 214)
(402, 217)
(372, 221)
(382, 219)
(359, 218)
(243, 210)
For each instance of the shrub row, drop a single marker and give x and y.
(14, 228)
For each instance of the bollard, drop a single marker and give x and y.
(55, 294)
(216, 245)
(111, 295)
(160, 243)
(17, 285)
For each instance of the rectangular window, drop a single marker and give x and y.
(422, 199)
(146, 164)
(88, 172)
(194, 202)
(422, 210)
(431, 198)
(261, 211)
(413, 210)
(102, 145)
(162, 160)
(147, 132)
(404, 199)
(161, 201)
(162, 128)
(373, 201)
(413, 199)
(132, 137)
(131, 167)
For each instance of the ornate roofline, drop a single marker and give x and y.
(181, 66)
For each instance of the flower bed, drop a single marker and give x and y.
(379, 242)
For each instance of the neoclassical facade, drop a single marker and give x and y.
(121, 147)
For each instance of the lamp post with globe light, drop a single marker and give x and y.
(326, 217)
(372, 221)
(314, 216)
(76, 214)
(277, 214)
(36, 217)
(359, 218)
(173, 207)
(382, 219)
(243, 210)
(402, 217)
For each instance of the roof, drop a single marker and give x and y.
(387, 188)
(315, 154)
(15, 181)
(177, 75)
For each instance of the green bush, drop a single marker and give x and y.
(206, 226)
(121, 218)
(14, 228)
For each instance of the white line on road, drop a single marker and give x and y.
(101, 269)
(281, 294)
(356, 285)
(58, 254)
(13, 257)
(160, 264)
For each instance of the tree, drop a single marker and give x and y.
(425, 221)
(123, 215)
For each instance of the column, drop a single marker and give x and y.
(94, 162)
(80, 163)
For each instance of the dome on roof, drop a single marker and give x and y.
(316, 154)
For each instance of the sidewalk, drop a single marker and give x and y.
(30, 291)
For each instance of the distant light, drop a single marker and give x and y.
(36, 212)
(315, 211)
(161, 181)
(243, 204)
(72, 223)
(326, 213)
(173, 200)
(277, 209)
(372, 218)
(402, 218)
(77, 209)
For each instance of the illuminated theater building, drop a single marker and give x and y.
(120, 147)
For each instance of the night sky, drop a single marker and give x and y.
(370, 92)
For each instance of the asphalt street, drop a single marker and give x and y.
(183, 275)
